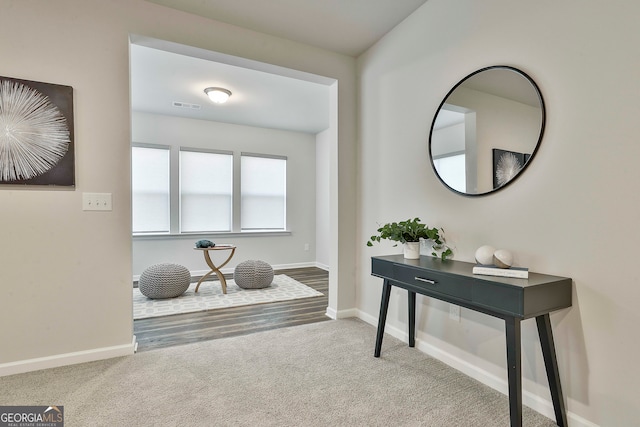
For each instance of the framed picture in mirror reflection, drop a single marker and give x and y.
(506, 165)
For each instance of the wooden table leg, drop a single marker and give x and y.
(204, 277)
(382, 319)
(216, 270)
(514, 369)
(551, 364)
(412, 318)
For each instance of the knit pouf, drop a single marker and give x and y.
(164, 281)
(253, 274)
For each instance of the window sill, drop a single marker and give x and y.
(198, 236)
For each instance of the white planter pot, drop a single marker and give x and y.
(412, 250)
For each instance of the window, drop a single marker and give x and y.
(263, 192)
(206, 190)
(451, 169)
(187, 190)
(150, 189)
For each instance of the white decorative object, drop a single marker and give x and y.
(484, 255)
(503, 258)
(492, 270)
(412, 250)
(34, 135)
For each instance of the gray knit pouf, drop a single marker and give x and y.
(253, 274)
(164, 281)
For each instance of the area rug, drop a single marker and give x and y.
(210, 297)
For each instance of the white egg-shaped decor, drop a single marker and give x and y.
(484, 255)
(503, 258)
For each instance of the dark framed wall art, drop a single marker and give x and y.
(36, 133)
(506, 165)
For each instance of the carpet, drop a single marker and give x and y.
(315, 375)
(210, 297)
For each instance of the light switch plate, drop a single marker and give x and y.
(96, 202)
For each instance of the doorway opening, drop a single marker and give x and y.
(169, 109)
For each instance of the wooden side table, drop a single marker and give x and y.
(213, 267)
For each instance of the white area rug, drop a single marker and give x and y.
(210, 297)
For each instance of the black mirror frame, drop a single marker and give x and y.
(533, 153)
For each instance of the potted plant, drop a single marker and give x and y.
(409, 233)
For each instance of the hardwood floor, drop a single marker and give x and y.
(159, 332)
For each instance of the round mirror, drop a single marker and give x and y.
(487, 130)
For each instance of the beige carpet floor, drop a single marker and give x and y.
(321, 374)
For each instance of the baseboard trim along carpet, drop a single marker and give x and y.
(210, 297)
(74, 358)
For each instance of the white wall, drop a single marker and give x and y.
(278, 250)
(323, 166)
(450, 139)
(574, 212)
(65, 281)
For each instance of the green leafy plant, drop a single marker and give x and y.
(412, 230)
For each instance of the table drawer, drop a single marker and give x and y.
(458, 287)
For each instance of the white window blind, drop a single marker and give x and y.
(150, 189)
(206, 188)
(263, 192)
(452, 171)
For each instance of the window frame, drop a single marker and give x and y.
(167, 148)
(179, 195)
(265, 156)
(174, 195)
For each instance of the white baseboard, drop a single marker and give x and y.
(322, 266)
(535, 402)
(341, 314)
(57, 360)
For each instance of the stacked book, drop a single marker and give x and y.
(492, 270)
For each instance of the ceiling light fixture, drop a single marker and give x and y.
(217, 94)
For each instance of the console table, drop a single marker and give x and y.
(507, 298)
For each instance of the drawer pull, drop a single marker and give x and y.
(420, 279)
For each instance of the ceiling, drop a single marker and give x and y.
(164, 73)
(345, 26)
(498, 81)
(161, 78)
(505, 83)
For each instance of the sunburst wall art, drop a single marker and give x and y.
(36, 133)
(506, 165)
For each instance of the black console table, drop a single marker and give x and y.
(510, 299)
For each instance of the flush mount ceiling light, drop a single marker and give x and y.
(217, 94)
